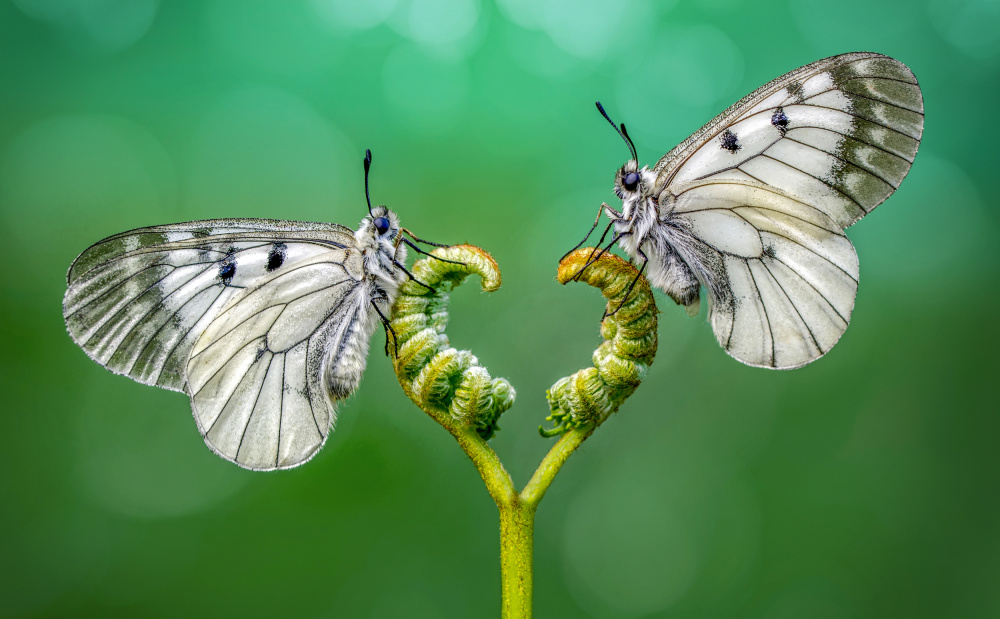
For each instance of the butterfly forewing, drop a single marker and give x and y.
(137, 301)
(756, 201)
(840, 133)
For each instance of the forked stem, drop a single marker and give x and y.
(517, 512)
(459, 394)
(552, 462)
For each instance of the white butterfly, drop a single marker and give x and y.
(265, 324)
(753, 206)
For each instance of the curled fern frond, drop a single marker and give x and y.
(591, 395)
(447, 384)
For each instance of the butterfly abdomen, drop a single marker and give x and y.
(668, 272)
(346, 336)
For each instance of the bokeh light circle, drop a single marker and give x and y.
(92, 167)
(430, 90)
(627, 553)
(691, 72)
(349, 14)
(103, 26)
(140, 454)
(264, 152)
(441, 22)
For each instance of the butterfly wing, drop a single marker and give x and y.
(839, 134)
(781, 275)
(756, 201)
(137, 301)
(264, 375)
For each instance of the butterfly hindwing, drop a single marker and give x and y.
(137, 301)
(782, 276)
(262, 375)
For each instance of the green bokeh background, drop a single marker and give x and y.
(865, 485)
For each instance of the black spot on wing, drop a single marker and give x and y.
(794, 90)
(276, 257)
(227, 267)
(729, 142)
(780, 120)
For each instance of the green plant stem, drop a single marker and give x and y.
(517, 528)
(553, 461)
(487, 462)
(454, 390)
(517, 510)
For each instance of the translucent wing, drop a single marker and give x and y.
(839, 134)
(781, 274)
(137, 301)
(264, 375)
(756, 201)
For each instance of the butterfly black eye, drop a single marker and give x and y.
(381, 224)
(631, 181)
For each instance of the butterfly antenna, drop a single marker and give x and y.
(621, 131)
(368, 166)
(628, 140)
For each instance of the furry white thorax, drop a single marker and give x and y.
(379, 251)
(382, 279)
(639, 210)
(646, 240)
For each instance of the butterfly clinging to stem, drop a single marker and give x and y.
(753, 205)
(265, 324)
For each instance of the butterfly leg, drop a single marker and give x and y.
(645, 261)
(593, 251)
(388, 329)
(420, 251)
(411, 276)
(615, 217)
(596, 255)
(420, 240)
(600, 211)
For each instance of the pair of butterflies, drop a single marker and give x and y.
(266, 324)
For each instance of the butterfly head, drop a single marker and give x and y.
(632, 182)
(378, 234)
(378, 237)
(379, 230)
(632, 185)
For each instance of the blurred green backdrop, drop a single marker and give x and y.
(865, 485)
